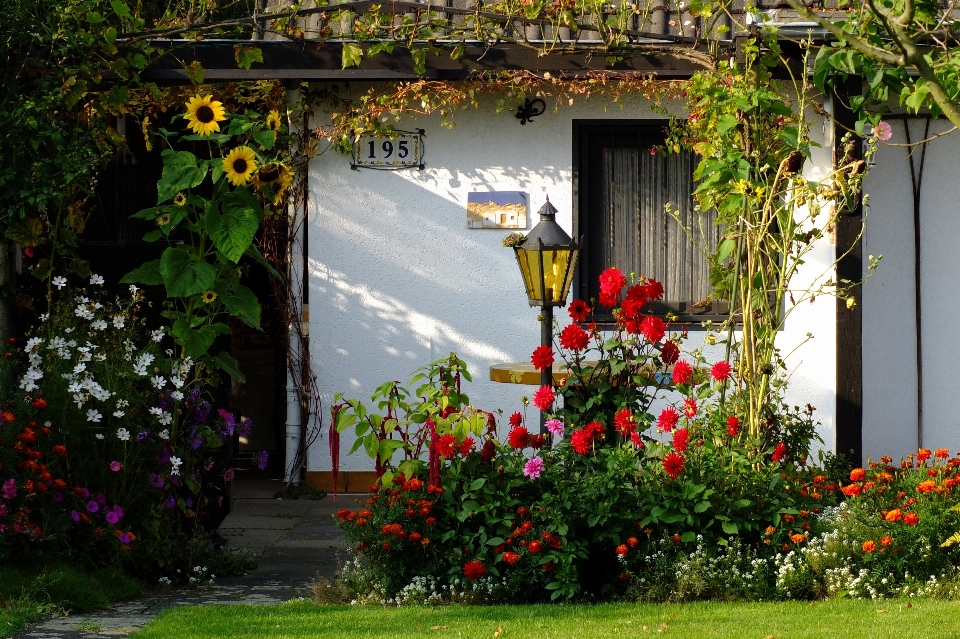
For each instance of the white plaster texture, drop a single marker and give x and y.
(397, 280)
(890, 388)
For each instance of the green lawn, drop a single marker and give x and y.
(836, 619)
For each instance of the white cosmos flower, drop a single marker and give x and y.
(44, 317)
(164, 434)
(33, 342)
(68, 330)
(118, 413)
(175, 462)
(118, 321)
(96, 279)
(93, 415)
(157, 412)
(123, 434)
(133, 289)
(157, 335)
(99, 325)
(79, 368)
(59, 281)
(165, 419)
(158, 381)
(177, 395)
(99, 435)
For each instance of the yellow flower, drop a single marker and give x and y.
(163, 220)
(239, 165)
(273, 120)
(208, 297)
(180, 200)
(203, 114)
(267, 175)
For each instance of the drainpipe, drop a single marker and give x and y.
(294, 428)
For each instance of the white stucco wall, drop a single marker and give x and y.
(889, 323)
(397, 280)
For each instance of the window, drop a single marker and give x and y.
(621, 190)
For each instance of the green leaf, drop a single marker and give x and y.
(419, 60)
(352, 53)
(182, 275)
(725, 248)
(702, 506)
(110, 35)
(726, 123)
(240, 302)
(265, 138)
(729, 527)
(495, 541)
(152, 236)
(232, 233)
(256, 255)
(229, 366)
(148, 273)
(120, 8)
(688, 536)
(180, 172)
(197, 341)
(246, 56)
(478, 483)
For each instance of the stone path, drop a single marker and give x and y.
(296, 542)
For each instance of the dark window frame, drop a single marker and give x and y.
(583, 131)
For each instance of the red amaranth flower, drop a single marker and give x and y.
(519, 438)
(669, 353)
(623, 421)
(579, 310)
(542, 357)
(673, 464)
(682, 371)
(544, 397)
(574, 338)
(733, 425)
(653, 328)
(474, 569)
(681, 437)
(720, 371)
(668, 418)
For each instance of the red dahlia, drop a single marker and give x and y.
(474, 569)
(668, 419)
(681, 437)
(779, 451)
(673, 464)
(733, 425)
(653, 328)
(466, 446)
(690, 407)
(635, 438)
(669, 353)
(447, 445)
(623, 421)
(543, 398)
(682, 371)
(612, 282)
(574, 338)
(579, 310)
(542, 357)
(519, 438)
(488, 452)
(580, 441)
(516, 419)
(720, 371)
(652, 289)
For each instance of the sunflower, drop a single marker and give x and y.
(180, 200)
(239, 165)
(208, 297)
(273, 120)
(284, 181)
(267, 175)
(203, 114)
(163, 220)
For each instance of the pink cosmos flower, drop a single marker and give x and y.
(533, 468)
(883, 131)
(115, 466)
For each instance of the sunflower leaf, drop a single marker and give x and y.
(241, 302)
(182, 275)
(148, 273)
(180, 172)
(228, 365)
(265, 138)
(233, 231)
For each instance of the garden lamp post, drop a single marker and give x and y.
(547, 259)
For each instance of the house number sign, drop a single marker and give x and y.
(404, 151)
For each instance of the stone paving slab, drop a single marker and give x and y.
(295, 541)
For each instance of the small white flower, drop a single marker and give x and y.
(122, 403)
(123, 434)
(169, 352)
(93, 415)
(177, 382)
(158, 381)
(79, 368)
(59, 282)
(133, 289)
(98, 325)
(177, 395)
(68, 330)
(118, 413)
(99, 435)
(118, 321)
(165, 419)
(175, 462)
(33, 343)
(164, 434)
(157, 412)
(44, 317)
(48, 423)
(96, 279)
(157, 335)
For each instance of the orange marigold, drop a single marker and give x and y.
(886, 540)
(869, 545)
(622, 550)
(857, 474)
(927, 486)
(893, 515)
(911, 519)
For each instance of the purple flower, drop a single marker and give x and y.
(10, 488)
(157, 481)
(101, 499)
(195, 439)
(163, 457)
(171, 502)
(124, 538)
(228, 475)
(118, 511)
(112, 518)
(142, 436)
(115, 466)
(246, 427)
(165, 403)
(189, 503)
(57, 497)
(194, 394)
(85, 492)
(4, 511)
(533, 468)
(175, 480)
(229, 423)
(262, 459)
(92, 506)
(74, 515)
(202, 411)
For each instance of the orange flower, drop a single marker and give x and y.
(852, 490)
(511, 557)
(923, 455)
(798, 538)
(39, 403)
(886, 540)
(534, 547)
(942, 453)
(857, 474)
(7, 416)
(632, 542)
(911, 519)
(770, 530)
(927, 486)
(869, 545)
(788, 518)
(893, 515)
(622, 550)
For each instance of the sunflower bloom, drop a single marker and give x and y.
(208, 297)
(180, 200)
(239, 165)
(273, 120)
(203, 114)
